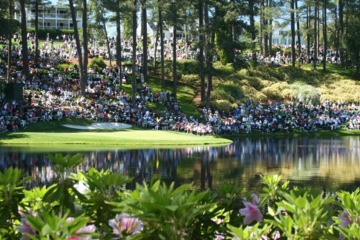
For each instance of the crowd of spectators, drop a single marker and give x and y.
(59, 97)
(54, 96)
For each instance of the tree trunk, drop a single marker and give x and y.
(155, 48)
(118, 43)
(25, 55)
(341, 31)
(84, 76)
(292, 16)
(315, 35)
(209, 55)
(253, 30)
(270, 37)
(298, 27)
(78, 46)
(144, 40)
(36, 32)
(324, 34)
(308, 30)
(345, 26)
(161, 48)
(133, 75)
(201, 49)
(174, 62)
(9, 44)
(266, 30)
(336, 26)
(107, 43)
(261, 28)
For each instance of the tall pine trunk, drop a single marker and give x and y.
(292, 17)
(324, 34)
(78, 46)
(144, 40)
(201, 49)
(36, 31)
(298, 27)
(174, 62)
(270, 32)
(261, 27)
(118, 44)
(24, 46)
(107, 41)
(253, 30)
(161, 48)
(133, 75)
(10, 6)
(209, 54)
(155, 48)
(316, 47)
(308, 24)
(341, 31)
(84, 76)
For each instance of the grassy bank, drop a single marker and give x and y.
(55, 135)
(129, 138)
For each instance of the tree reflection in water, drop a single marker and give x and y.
(331, 163)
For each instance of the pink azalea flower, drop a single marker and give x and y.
(86, 230)
(25, 228)
(277, 235)
(251, 211)
(124, 224)
(219, 237)
(344, 219)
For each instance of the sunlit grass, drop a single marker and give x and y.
(130, 138)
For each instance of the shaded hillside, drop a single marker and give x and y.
(278, 83)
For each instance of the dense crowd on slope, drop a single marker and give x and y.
(104, 102)
(56, 96)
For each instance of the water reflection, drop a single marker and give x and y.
(325, 163)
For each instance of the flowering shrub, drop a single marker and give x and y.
(251, 212)
(124, 225)
(106, 210)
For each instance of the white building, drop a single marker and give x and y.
(151, 30)
(49, 17)
(283, 37)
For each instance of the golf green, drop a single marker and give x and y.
(125, 137)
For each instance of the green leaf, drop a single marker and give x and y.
(271, 211)
(301, 202)
(172, 208)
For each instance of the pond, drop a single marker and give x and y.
(331, 164)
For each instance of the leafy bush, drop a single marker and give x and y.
(253, 93)
(224, 105)
(275, 90)
(256, 83)
(232, 89)
(170, 74)
(163, 211)
(243, 72)
(188, 66)
(191, 79)
(223, 70)
(305, 92)
(98, 64)
(228, 92)
(235, 77)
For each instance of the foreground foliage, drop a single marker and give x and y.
(98, 205)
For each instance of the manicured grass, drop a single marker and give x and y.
(54, 134)
(130, 138)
